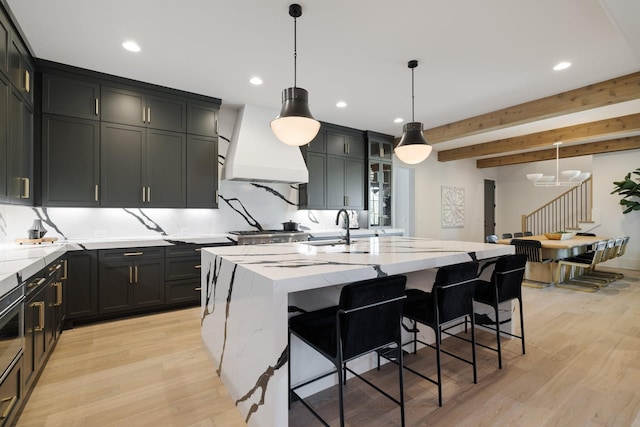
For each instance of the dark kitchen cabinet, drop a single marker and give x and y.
(70, 161)
(342, 144)
(19, 160)
(345, 183)
(130, 279)
(5, 39)
(11, 393)
(81, 287)
(182, 274)
(21, 69)
(35, 337)
(336, 162)
(202, 172)
(5, 93)
(380, 179)
(70, 97)
(142, 167)
(202, 120)
(313, 194)
(145, 109)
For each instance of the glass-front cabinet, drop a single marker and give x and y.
(379, 176)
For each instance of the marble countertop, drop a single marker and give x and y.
(317, 260)
(18, 263)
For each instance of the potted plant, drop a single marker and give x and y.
(630, 190)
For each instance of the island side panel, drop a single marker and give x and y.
(239, 311)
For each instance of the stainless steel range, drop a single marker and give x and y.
(256, 237)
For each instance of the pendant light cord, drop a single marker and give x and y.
(295, 51)
(413, 119)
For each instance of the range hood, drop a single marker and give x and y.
(256, 155)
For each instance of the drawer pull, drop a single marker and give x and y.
(130, 275)
(198, 249)
(40, 306)
(198, 266)
(133, 253)
(197, 289)
(64, 274)
(58, 294)
(12, 401)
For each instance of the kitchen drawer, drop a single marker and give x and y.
(182, 268)
(186, 249)
(130, 254)
(182, 291)
(11, 394)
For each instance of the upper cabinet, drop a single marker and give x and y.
(379, 182)
(70, 97)
(336, 163)
(16, 117)
(202, 120)
(21, 68)
(143, 109)
(108, 143)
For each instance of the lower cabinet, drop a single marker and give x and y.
(43, 316)
(182, 274)
(81, 287)
(110, 283)
(11, 393)
(130, 279)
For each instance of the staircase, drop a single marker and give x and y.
(570, 211)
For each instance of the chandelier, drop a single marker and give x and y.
(572, 178)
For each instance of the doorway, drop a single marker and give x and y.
(489, 207)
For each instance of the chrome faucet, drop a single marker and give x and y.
(346, 216)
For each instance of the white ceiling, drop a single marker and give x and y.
(475, 56)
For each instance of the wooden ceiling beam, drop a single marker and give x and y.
(575, 133)
(619, 89)
(612, 145)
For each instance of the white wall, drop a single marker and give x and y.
(430, 176)
(516, 196)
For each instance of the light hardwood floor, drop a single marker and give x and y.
(582, 368)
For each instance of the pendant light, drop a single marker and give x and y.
(295, 125)
(573, 177)
(412, 148)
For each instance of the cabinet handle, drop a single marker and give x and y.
(199, 266)
(130, 275)
(149, 192)
(216, 126)
(27, 81)
(136, 275)
(144, 117)
(97, 107)
(40, 306)
(198, 249)
(12, 401)
(133, 253)
(149, 115)
(144, 195)
(58, 294)
(64, 272)
(197, 289)
(25, 193)
(96, 192)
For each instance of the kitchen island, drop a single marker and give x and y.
(247, 291)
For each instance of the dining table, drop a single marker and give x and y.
(560, 249)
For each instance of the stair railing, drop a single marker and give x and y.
(562, 213)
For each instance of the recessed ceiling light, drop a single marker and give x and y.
(255, 81)
(562, 66)
(341, 104)
(398, 120)
(131, 46)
